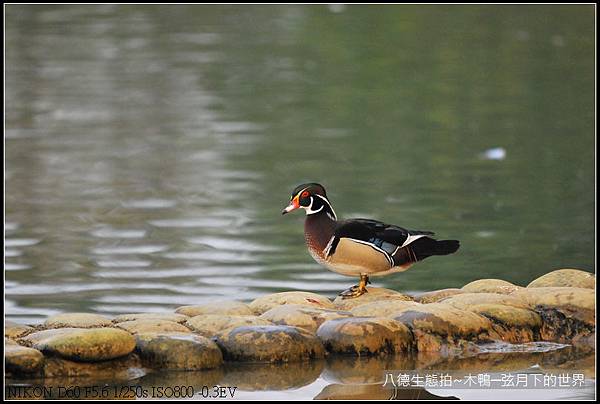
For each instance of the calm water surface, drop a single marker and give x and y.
(150, 149)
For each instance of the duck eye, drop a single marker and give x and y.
(304, 194)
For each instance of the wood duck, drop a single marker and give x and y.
(360, 247)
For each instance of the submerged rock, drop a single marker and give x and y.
(274, 343)
(490, 286)
(567, 313)
(77, 320)
(124, 368)
(437, 295)
(308, 318)
(80, 344)
(178, 351)
(566, 277)
(373, 295)
(209, 325)
(152, 325)
(272, 376)
(19, 359)
(444, 328)
(230, 307)
(265, 303)
(382, 308)
(364, 336)
(176, 318)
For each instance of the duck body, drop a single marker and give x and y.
(361, 247)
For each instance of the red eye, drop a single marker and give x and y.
(304, 194)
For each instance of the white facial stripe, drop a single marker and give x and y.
(309, 210)
(328, 204)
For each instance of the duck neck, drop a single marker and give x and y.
(319, 228)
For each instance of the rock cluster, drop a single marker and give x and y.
(290, 327)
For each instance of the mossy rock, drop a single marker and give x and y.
(209, 325)
(265, 303)
(123, 368)
(176, 318)
(465, 300)
(272, 376)
(373, 295)
(436, 295)
(565, 277)
(274, 343)
(14, 330)
(77, 320)
(567, 313)
(490, 286)
(178, 351)
(152, 325)
(364, 336)
(83, 344)
(444, 328)
(382, 308)
(513, 324)
(19, 359)
(301, 316)
(229, 307)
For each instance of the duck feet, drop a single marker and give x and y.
(356, 290)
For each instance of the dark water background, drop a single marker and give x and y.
(150, 149)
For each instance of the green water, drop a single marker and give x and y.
(150, 149)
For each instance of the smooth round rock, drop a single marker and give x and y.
(178, 351)
(229, 307)
(437, 295)
(264, 303)
(373, 294)
(77, 320)
(578, 303)
(300, 316)
(441, 327)
(152, 325)
(382, 308)
(176, 318)
(15, 330)
(274, 343)
(490, 286)
(86, 345)
(209, 325)
(513, 324)
(565, 277)
(465, 300)
(364, 336)
(20, 359)
(124, 368)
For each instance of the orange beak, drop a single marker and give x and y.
(294, 204)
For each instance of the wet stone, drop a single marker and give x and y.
(209, 325)
(271, 376)
(446, 329)
(125, 368)
(565, 277)
(437, 295)
(364, 336)
(490, 286)
(373, 294)
(307, 318)
(77, 320)
(15, 330)
(81, 344)
(229, 307)
(567, 313)
(382, 308)
(465, 300)
(513, 324)
(265, 303)
(152, 325)
(19, 359)
(178, 351)
(176, 318)
(275, 343)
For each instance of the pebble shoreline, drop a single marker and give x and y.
(302, 326)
